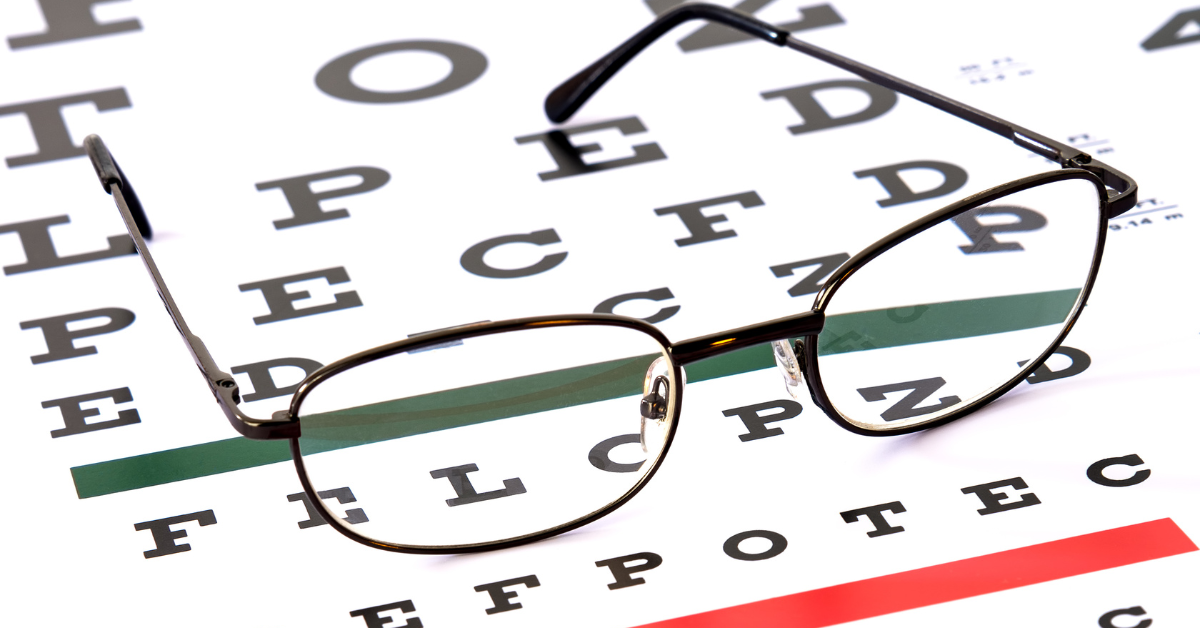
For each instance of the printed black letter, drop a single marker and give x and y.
(815, 117)
(280, 301)
(658, 294)
(49, 128)
(814, 281)
(1168, 35)
(899, 193)
(699, 225)
(1095, 472)
(466, 492)
(875, 515)
(39, 248)
(1106, 620)
(466, 65)
(621, 568)
(600, 458)
(164, 536)
(67, 20)
(500, 597)
(567, 156)
(60, 341)
(778, 544)
(264, 384)
(981, 234)
(907, 408)
(991, 501)
(306, 204)
(756, 422)
(472, 259)
(75, 417)
(1080, 361)
(371, 615)
(343, 496)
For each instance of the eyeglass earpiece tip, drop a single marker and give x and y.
(102, 161)
(109, 172)
(564, 100)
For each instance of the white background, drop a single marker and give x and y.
(223, 97)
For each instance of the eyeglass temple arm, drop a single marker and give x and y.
(222, 385)
(568, 97)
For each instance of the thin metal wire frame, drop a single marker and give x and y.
(810, 365)
(568, 97)
(805, 326)
(674, 408)
(562, 102)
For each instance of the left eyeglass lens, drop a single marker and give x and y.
(488, 438)
(951, 314)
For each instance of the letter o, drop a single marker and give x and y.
(778, 544)
(466, 65)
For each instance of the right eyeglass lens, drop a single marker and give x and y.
(488, 438)
(952, 313)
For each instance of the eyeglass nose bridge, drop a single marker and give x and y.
(789, 354)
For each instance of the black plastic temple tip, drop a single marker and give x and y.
(109, 172)
(567, 98)
(102, 162)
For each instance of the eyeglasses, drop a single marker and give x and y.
(492, 435)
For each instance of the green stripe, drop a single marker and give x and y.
(175, 465)
(493, 401)
(474, 404)
(563, 388)
(932, 322)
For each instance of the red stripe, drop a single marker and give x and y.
(951, 581)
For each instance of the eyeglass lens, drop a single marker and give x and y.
(491, 437)
(952, 313)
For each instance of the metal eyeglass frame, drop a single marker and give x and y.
(1117, 193)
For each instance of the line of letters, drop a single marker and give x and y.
(873, 521)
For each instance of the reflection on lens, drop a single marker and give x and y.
(952, 313)
(492, 438)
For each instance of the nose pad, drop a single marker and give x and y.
(789, 367)
(656, 395)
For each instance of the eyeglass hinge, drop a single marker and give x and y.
(1078, 161)
(1067, 156)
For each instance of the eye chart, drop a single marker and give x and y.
(326, 177)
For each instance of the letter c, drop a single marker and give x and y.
(658, 294)
(472, 259)
(599, 455)
(1095, 472)
(1106, 620)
